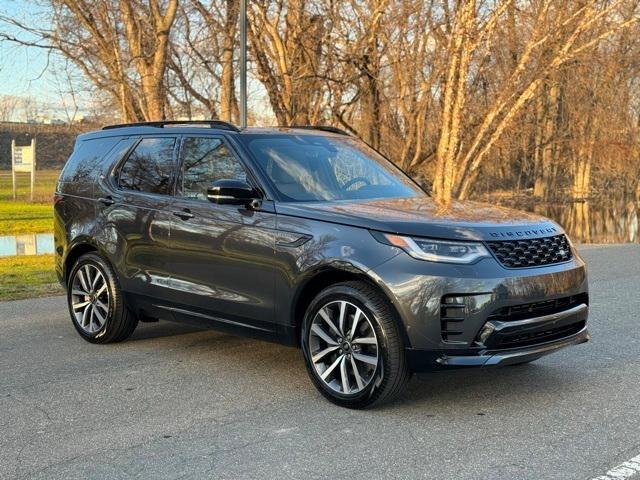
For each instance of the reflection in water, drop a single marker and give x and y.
(28, 244)
(596, 222)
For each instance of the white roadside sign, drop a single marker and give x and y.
(23, 160)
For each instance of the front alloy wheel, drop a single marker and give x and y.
(353, 347)
(343, 347)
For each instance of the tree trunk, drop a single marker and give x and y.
(228, 101)
(149, 49)
(582, 176)
(371, 118)
(539, 189)
(546, 147)
(461, 51)
(372, 96)
(153, 91)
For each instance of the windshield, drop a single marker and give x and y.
(306, 168)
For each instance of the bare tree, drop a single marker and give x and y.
(8, 107)
(469, 96)
(121, 46)
(203, 55)
(558, 36)
(287, 42)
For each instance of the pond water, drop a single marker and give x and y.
(591, 222)
(586, 222)
(28, 244)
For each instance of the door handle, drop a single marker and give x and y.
(184, 214)
(108, 200)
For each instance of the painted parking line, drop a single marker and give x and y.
(625, 470)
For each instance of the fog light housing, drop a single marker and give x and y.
(485, 333)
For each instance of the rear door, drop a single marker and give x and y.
(222, 267)
(137, 218)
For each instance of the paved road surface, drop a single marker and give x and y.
(174, 402)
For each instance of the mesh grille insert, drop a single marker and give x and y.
(531, 338)
(534, 252)
(537, 309)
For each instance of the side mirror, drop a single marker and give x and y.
(232, 192)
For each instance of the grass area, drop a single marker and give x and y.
(20, 215)
(23, 217)
(44, 187)
(28, 277)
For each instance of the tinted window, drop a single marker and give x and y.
(149, 168)
(84, 163)
(313, 167)
(205, 161)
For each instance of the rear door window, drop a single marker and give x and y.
(149, 168)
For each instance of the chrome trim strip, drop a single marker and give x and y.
(581, 309)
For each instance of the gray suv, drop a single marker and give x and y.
(307, 237)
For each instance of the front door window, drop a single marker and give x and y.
(207, 159)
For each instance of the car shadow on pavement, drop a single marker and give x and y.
(466, 389)
(162, 328)
(471, 390)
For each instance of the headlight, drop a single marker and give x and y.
(436, 250)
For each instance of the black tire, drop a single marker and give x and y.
(119, 322)
(391, 373)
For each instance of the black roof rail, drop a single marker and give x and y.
(324, 128)
(162, 123)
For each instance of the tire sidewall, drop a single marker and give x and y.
(344, 292)
(96, 261)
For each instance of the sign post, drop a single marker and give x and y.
(23, 160)
(13, 167)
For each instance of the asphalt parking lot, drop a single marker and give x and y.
(175, 402)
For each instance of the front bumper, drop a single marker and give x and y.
(420, 291)
(420, 360)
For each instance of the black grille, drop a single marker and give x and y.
(538, 309)
(535, 252)
(527, 339)
(529, 310)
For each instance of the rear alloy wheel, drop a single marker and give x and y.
(90, 298)
(352, 346)
(96, 303)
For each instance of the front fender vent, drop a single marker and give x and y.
(453, 312)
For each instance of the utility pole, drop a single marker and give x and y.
(243, 63)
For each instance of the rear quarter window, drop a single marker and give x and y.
(85, 164)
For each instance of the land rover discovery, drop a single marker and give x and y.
(308, 237)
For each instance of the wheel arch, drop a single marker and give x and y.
(74, 253)
(330, 275)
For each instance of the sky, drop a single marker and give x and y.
(21, 69)
(28, 73)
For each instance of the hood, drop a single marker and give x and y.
(425, 217)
